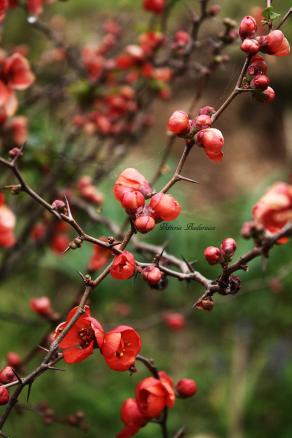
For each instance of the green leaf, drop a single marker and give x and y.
(270, 14)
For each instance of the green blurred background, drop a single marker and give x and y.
(240, 353)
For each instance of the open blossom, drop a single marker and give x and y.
(132, 418)
(123, 266)
(120, 347)
(153, 395)
(81, 339)
(131, 180)
(274, 209)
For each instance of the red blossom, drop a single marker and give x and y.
(81, 339)
(165, 207)
(153, 395)
(123, 266)
(17, 72)
(120, 347)
(131, 180)
(41, 306)
(275, 43)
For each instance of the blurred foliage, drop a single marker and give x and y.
(240, 354)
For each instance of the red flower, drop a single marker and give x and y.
(274, 209)
(131, 180)
(18, 128)
(120, 347)
(179, 123)
(132, 418)
(123, 266)
(4, 395)
(17, 72)
(59, 243)
(100, 256)
(13, 359)
(212, 141)
(153, 395)
(81, 339)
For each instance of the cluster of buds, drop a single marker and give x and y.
(119, 346)
(132, 190)
(8, 375)
(153, 395)
(224, 254)
(274, 43)
(88, 191)
(199, 130)
(7, 225)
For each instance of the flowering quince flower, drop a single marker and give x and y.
(120, 347)
(100, 257)
(153, 395)
(131, 180)
(123, 266)
(132, 418)
(81, 339)
(275, 43)
(17, 73)
(274, 209)
(212, 141)
(165, 207)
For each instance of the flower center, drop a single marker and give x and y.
(86, 336)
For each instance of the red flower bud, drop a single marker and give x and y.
(165, 207)
(152, 274)
(212, 255)
(207, 111)
(212, 141)
(275, 43)
(181, 39)
(179, 123)
(205, 304)
(59, 243)
(186, 388)
(202, 122)
(132, 200)
(214, 10)
(248, 27)
(4, 395)
(123, 266)
(174, 320)
(228, 247)
(144, 223)
(155, 6)
(13, 359)
(257, 66)
(130, 413)
(58, 205)
(41, 305)
(15, 152)
(260, 81)
(250, 46)
(265, 96)
(153, 395)
(7, 375)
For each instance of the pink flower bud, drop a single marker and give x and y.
(144, 223)
(132, 200)
(207, 110)
(165, 207)
(228, 247)
(152, 274)
(248, 27)
(260, 81)
(178, 123)
(4, 395)
(250, 46)
(7, 375)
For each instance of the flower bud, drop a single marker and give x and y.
(275, 43)
(257, 66)
(213, 255)
(144, 223)
(206, 303)
(130, 413)
(260, 81)
(265, 96)
(41, 306)
(7, 375)
(152, 274)
(248, 27)
(58, 205)
(13, 359)
(207, 110)
(181, 39)
(228, 247)
(212, 141)
(60, 243)
(179, 123)
(132, 200)
(174, 320)
(186, 388)
(4, 395)
(202, 122)
(250, 46)
(165, 207)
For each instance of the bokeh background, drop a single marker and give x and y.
(240, 353)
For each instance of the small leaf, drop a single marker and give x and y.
(270, 15)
